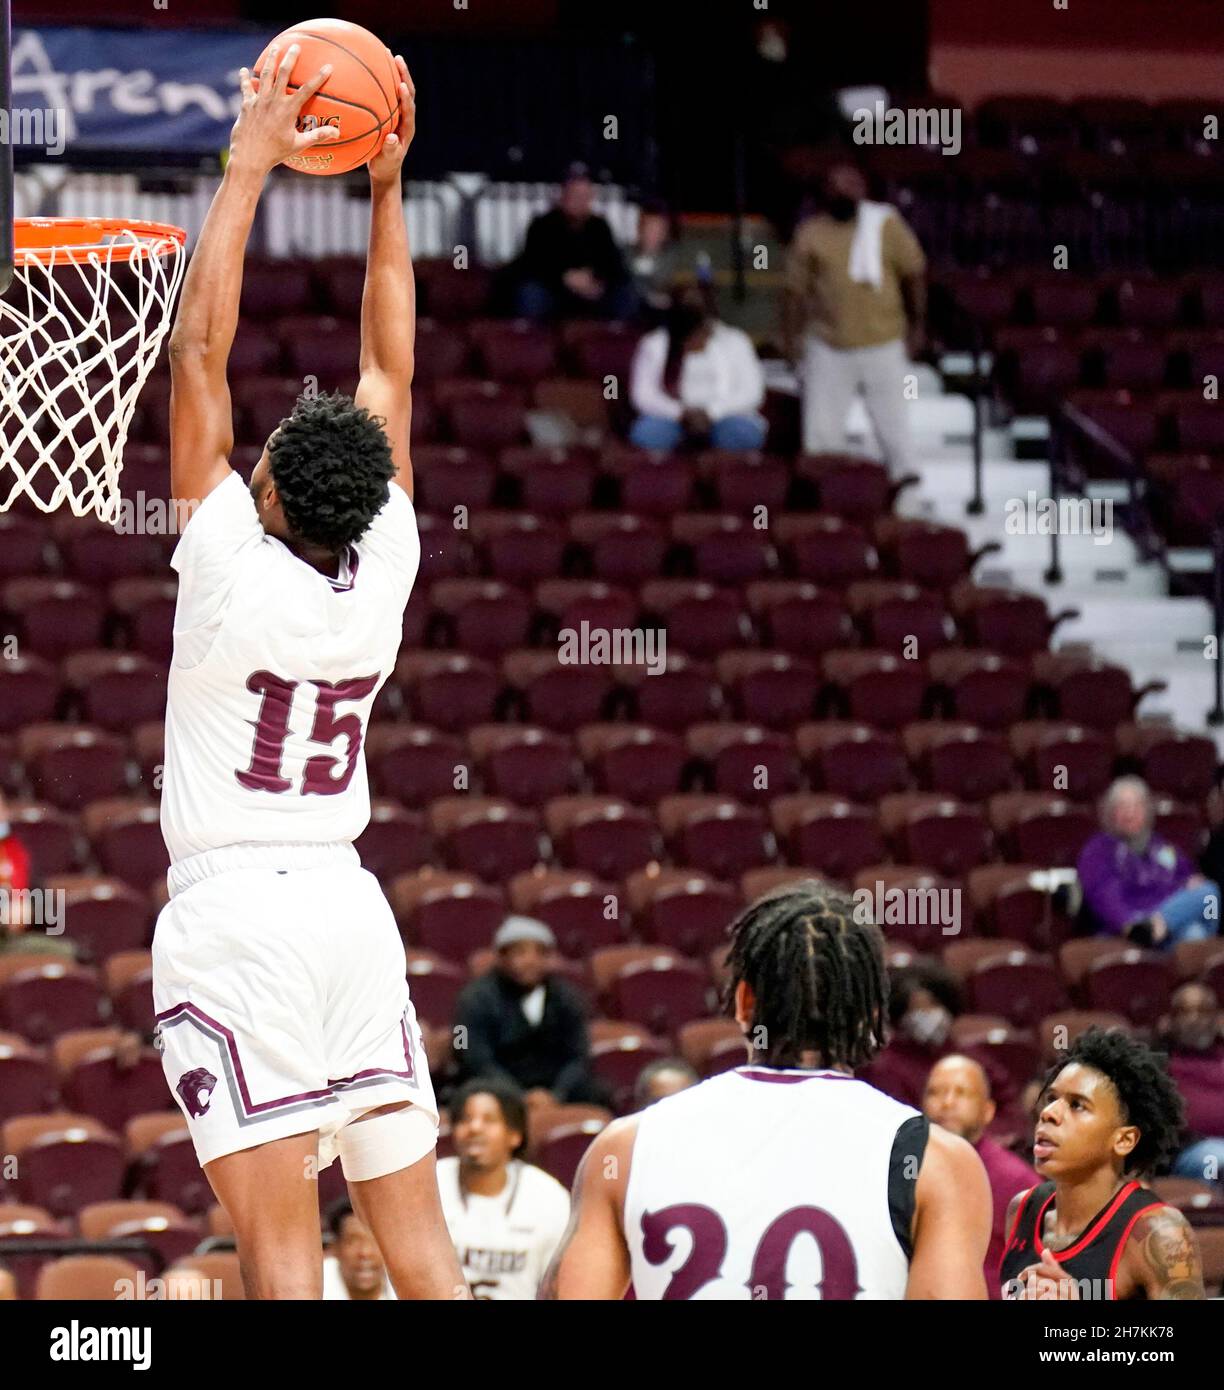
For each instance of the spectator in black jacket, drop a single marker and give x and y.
(570, 266)
(522, 1024)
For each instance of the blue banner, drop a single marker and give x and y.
(134, 89)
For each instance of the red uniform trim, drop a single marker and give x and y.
(1093, 1231)
(1011, 1235)
(1126, 1235)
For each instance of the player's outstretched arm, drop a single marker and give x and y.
(201, 421)
(952, 1220)
(592, 1261)
(1163, 1256)
(388, 305)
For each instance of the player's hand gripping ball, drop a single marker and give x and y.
(359, 99)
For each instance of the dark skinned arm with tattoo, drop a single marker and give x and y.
(1162, 1259)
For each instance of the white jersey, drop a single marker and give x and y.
(769, 1183)
(504, 1243)
(274, 673)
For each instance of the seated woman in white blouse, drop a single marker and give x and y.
(696, 378)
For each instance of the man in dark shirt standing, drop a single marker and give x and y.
(523, 1024)
(571, 267)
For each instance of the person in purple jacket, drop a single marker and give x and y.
(1137, 884)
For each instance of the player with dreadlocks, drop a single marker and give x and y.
(786, 1177)
(1110, 1116)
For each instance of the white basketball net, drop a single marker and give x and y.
(78, 338)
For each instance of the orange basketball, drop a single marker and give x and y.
(360, 98)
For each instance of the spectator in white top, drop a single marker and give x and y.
(505, 1216)
(696, 379)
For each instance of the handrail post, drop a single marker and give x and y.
(1215, 716)
(1054, 574)
(976, 504)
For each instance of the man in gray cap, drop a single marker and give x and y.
(523, 1024)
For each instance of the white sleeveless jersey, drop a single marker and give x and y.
(504, 1243)
(768, 1183)
(274, 673)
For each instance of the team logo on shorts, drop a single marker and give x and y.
(195, 1090)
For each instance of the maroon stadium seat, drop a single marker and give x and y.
(770, 688)
(681, 908)
(715, 834)
(95, 1081)
(556, 694)
(745, 761)
(700, 619)
(603, 835)
(452, 913)
(981, 688)
(1023, 986)
(795, 616)
(853, 760)
(1064, 756)
(163, 1163)
(633, 761)
(484, 616)
(446, 476)
(622, 547)
(528, 765)
(395, 841)
(27, 1080)
(434, 983)
(959, 760)
(64, 1160)
(126, 837)
(52, 838)
(651, 985)
(103, 915)
(877, 688)
(128, 976)
(53, 616)
(490, 837)
(448, 689)
(827, 833)
(583, 912)
(115, 690)
(41, 995)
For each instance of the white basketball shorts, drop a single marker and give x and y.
(281, 999)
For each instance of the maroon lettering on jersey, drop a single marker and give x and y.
(263, 774)
(319, 778)
(767, 1280)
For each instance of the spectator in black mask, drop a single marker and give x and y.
(696, 379)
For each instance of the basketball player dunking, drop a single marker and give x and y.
(283, 1013)
(785, 1178)
(1110, 1115)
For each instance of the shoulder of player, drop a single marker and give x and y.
(1162, 1255)
(611, 1152)
(949, 1161)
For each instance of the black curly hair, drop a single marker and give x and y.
(1148, 1097)
(816, 972)
(331, 463)
(509, 1100)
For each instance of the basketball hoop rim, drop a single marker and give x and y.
(78, 240)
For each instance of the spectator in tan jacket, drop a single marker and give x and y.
(854, 314)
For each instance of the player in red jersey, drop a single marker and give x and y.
(1110, 1116)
